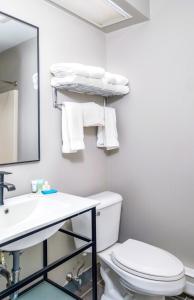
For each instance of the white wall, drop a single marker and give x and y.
(154, 169)
(62, 38)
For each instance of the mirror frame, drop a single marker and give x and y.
(38, 91)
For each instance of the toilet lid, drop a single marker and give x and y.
(147, 261)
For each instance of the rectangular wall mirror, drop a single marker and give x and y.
(19, 91)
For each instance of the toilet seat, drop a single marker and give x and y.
(147, 261)
(138, 283)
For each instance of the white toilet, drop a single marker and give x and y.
(133, 269)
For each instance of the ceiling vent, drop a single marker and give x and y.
(107, 15)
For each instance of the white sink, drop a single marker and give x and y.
(23, 214)
(29, 212)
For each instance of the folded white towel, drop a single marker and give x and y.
(93, 114)
(115, 79)
(107, 136)
(65, 69)
(72, 128)
(81, 84)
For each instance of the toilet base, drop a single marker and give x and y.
(135, 297)
(115, 291)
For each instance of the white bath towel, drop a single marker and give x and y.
(72, 127)
(81, 84)
(107, 136)
(93, 114)
(64, 69)
(115, 79)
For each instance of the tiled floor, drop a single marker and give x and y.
(100, 292)
(45, 291)
(89, 295)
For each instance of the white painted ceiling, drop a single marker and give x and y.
(107, 15)
(13, 33)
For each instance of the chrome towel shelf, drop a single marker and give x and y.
(59, 105)
(105, 95)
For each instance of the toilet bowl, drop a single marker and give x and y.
(141, 269)
(133, 269)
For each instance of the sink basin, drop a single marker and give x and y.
(23, 214)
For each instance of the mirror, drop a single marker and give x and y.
(19, 91)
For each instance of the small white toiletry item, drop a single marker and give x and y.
(34, 186)
(40, 183)
(107, 136)
(46, 186)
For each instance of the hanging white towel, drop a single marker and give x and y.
(93, 114)
(115, 79)
(66, 147)
(72, 128)
(107, 136)
(65, 69)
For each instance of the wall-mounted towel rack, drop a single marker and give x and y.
(105, 90)
(88, 80)
(54, 96)
(59, 105)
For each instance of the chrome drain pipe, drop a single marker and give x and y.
(15, 272)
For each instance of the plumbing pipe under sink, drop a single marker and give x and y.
(14, 276)
(15, 272)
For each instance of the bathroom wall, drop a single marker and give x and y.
(154, 169)
(19, 63)
(62, 38)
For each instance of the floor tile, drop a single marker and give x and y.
(45, 291)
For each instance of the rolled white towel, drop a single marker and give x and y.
(115, 79)
(65, 69)
(89, 85)
(95, 72)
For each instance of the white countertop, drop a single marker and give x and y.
(41, 210)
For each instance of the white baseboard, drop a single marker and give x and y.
(189, 289)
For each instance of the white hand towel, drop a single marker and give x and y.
(64, 69)
(66, 147)
(107, 136)
(93, 114)
(115, 79)
(72, 128)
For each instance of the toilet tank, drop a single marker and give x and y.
(107, 221)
